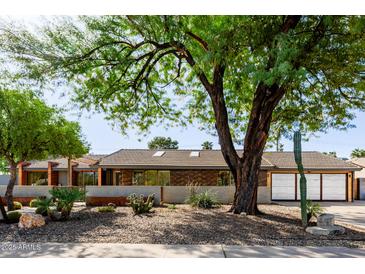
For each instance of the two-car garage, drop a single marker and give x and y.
(320, 186)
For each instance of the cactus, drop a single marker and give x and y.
(140, 204)
(303, 181)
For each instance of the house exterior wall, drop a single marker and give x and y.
(62, 178)
(183, 177)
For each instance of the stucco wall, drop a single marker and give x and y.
(27, 191)
(224, 194)
(123, 191)
(4, 179)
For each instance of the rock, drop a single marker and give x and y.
(326, 220)
(112, 205)
(30, 220)
(321, 231)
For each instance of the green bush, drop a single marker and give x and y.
(203, 200)
(65, 198)
(13, 216)
(171, 206)
(44, 206)
(17, 205)
(104, 209)
(33, 203)
(313, 210)
(140, 204)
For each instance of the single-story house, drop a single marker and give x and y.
(359, 182)
(169, 172)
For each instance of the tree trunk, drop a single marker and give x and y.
(265, 100)
(9, 189)
(69, 172)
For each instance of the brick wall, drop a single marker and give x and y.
(182, 177)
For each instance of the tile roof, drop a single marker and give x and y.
(140, 158)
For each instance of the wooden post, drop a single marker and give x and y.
(349, 186)
(20, 174)
(49, 173)
(69, 172)
(100, 176)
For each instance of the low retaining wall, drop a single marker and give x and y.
(169, 194)
(96, 195)
(25, 194)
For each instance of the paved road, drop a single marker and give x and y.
(88, 250)
(351, 213)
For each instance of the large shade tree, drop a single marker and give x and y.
(31, 130)
(239, 76)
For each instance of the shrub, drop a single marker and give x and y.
(13, 217)
(203, 200)
(33, 203)
(17, 205)
(140, 204)
(313, 210)
(171, 206)
(65, 198)
(43, 206)
(104, 209)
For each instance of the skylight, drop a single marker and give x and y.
(158, 154)
(194, 154)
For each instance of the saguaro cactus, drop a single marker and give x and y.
(303, 180)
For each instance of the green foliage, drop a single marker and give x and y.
(105, 209)
(207, 145)
(134, 67)
(172, 206)
(65, 197)
(140, 204)
(17, 205)
(3, 166)
(358, 153)
(33, 203)
(203, 200)
(43, 206)
(313, 209)
(303, 180)
(331, 153)
(13, 216)
(160, 142)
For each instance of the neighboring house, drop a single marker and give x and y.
(359, 183)
(170, 171)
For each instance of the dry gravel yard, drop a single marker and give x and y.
(279, 225)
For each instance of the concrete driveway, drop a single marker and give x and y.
(350, 213)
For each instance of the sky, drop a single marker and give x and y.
(106, 139)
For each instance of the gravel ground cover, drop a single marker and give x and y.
(278, 225)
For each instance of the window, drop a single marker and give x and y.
(138, 178)
(225, 178)
(118, 178)
(194, 154)
(151, 177)
(158, 154)
(87, 178)
(37, 178)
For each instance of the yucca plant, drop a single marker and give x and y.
(203, 200)
(313, 210)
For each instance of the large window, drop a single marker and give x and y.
(225, 178)
(151, 177)
(37, 178)
(87, 178)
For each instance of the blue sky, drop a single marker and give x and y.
(104, 139)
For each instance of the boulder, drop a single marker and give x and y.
(326, 220)
(31, 220)
(320, 231)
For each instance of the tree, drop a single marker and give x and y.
(31, 130)
(160, 142)
(207, 145)
(3, 166)
(358, 153)
(331, 153)
(240, 75)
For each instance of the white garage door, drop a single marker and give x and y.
(283, 186)
(313, 186)
(334, 187)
